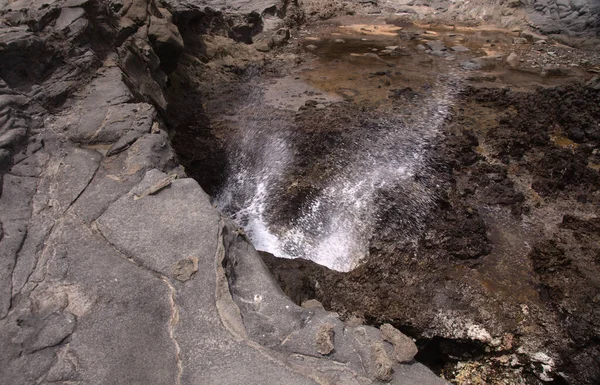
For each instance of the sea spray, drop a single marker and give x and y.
(334, 226)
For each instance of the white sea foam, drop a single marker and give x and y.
(335, 226)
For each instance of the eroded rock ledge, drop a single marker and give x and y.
(116, 267)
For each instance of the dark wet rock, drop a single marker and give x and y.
(167, 40)
(502, 193)
(402, 93)
(548, 257)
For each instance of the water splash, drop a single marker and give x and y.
(335, 226)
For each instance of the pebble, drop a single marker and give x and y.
(470, 65)
(311, 47)
(460, 48)
(513, 60)
(436, 45)
(340, 41)
(519, 40)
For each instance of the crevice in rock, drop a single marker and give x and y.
(94, 228)
(172, 325)
(439, 353)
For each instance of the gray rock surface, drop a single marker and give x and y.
(117, 269)
(566, 16)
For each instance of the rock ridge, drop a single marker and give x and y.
(119, 269)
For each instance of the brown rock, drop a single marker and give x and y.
(404, 347)
(381, 362)
(325, 334)
(312, 304)
(512, 60)
(185, 269)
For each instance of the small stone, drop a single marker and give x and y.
(262, 46)
(540, 42)
(512, 60)
(312, 304)
(325, 335)
(404, 347)
(383, 366)
(280, 38)
(519, 40)
(471, 65)
(340, 41)
(311, 103)
(460, 48)
(311, 47)
(320, 106)
(421, 47)
(436, 45)
(185, 269)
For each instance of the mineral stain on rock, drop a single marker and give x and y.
(325, 339)
(185, 269)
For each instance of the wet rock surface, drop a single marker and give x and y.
(117, 268)
(505, 257)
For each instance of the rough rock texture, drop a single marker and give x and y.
(116, 267)
(509, 253)
(404, 347)
(559, 16)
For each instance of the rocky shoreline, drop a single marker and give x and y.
(117, 268)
